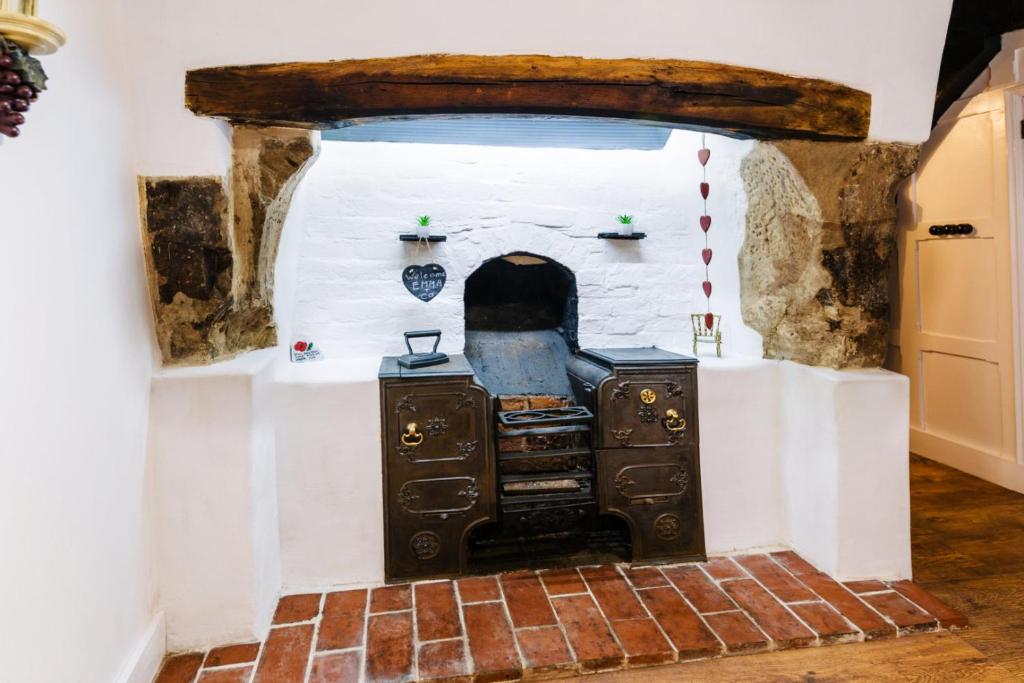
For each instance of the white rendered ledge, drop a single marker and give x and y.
(853, 375)
(714, 363)
(365, 369)
(283, 371)
(248, 364)
(327, 371)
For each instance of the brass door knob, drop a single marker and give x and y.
(672, 422)
(411, 437)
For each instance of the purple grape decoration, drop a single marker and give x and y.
(21, 80)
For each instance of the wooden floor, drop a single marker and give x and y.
(968, 547)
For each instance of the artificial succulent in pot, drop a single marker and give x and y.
(625, 224)
(423, 227)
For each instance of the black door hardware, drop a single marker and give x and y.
(958, 229)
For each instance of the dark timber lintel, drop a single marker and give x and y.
(731, 99)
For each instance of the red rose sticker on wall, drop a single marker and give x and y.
(303, 351)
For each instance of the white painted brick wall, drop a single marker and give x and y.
(491, 201)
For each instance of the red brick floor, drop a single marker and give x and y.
(559, 622)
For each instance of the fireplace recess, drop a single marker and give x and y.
(530, 452)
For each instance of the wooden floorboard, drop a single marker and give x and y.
(968, 550)
(927, 657)
(995, 607)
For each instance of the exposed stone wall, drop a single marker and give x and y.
(211, 251)
(814, 267)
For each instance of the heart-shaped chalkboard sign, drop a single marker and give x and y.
(424, 282)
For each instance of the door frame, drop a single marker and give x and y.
(1014, 116)
(1007, 472)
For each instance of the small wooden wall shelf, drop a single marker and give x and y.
(620, 236)
(429, 238)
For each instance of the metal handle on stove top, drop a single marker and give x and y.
(419, 334)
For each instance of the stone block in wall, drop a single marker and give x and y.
(820, 234)
(212, 243)
(187, 231)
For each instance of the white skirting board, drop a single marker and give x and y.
(144, 662)
(999, 471)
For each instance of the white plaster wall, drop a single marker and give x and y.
(329, 473)
(212, 447)
(740, 467)
(874, 475)
(491, 201)
(75, 357)
(889, 49)
(807, 454)
(845, 473)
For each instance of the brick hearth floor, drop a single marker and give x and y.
(558, 622)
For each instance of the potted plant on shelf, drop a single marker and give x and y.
(625, 223)
(423, 227)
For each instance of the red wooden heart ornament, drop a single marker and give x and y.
(709, 320)
(703, 155)
(705, 223)
(705, 189)
(706, 254)
(707, 288)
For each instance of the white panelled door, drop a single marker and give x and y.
(954, 326)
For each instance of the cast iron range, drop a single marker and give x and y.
(528, 451)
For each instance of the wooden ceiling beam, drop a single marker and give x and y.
(730, 99)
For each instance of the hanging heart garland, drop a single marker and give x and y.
(703, 156)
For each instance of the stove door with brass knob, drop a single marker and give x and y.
(647, 409)
(433, 422)
(438, 471)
